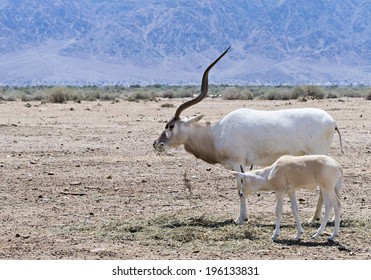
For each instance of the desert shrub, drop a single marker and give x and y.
(271, 95)
(167, 105)
(142, 95)
(91, 95)
(108, 96)
(76, 97)
(11, 98)
(26, 98)
(312, 91)
(352, 93)
(186, 93)
(278, 94)
(58, 95)
(168, 94)
(34, 96)
(234, 94)
(331, 95)
(298, 92)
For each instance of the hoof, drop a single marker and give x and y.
(331, 240)
(240, 221)
(274, 237)
(316, 236)
(313, 220)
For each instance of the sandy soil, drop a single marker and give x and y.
(81, 181)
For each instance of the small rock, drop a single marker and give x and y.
(208, 169)
(33, 162)
(144, 181)
(109, 177)
(76, 183)
(97, 250)
(50, 173)
(149, 165)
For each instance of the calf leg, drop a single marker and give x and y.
(295, 212)
(279, 205)
(317, 213)
(328, 204)
(337, 209)
(336, 200)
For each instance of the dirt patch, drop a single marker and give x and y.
(81, 181)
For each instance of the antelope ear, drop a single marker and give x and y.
(194, 119)
(237, 174)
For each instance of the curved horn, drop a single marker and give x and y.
(204, 88)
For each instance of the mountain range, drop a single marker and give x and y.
(127, 42)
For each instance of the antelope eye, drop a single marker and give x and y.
(171, 127)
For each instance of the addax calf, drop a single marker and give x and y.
(290, 173)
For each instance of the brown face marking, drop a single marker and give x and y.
(170, 123)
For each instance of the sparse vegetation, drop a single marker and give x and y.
(235, 93)
(153, 93)
(194, 233)
(167, 105)
(142, 95)
(59, 95)
(98, 190)
(168, 93)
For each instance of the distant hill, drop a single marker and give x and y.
(171, 42)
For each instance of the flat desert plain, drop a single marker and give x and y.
(82, 181)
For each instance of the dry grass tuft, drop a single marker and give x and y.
(188, 233)
(187, 183)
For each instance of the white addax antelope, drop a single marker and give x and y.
(245, 137)
(290, 173)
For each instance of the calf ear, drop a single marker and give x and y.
(237, 174)
(193, 119)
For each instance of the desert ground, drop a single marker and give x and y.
(82, 181)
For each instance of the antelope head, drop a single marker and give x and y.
(174, 133)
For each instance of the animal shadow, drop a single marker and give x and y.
(311, 243)
(199, 222)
